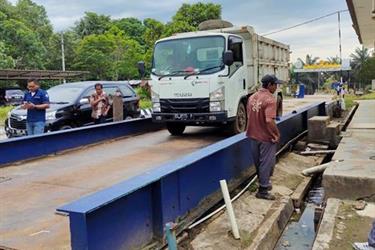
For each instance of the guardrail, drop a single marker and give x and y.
(132, 214)
(28, 147)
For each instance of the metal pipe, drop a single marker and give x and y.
(171, 237)
(228, 203)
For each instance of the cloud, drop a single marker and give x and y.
(319, 38)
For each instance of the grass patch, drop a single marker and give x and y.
(3, 113)
(350, 99)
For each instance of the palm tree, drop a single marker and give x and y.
(309, 60)
(334, 59)
(359, 57)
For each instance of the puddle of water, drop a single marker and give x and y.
(301, 230)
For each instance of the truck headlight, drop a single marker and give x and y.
(216, 106)
(217, 95)
(51, 115)
(156, 107)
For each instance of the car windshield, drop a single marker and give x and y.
(187, 55)
(64, 93)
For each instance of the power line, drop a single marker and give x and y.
(306, 22)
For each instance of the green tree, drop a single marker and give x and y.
(309, 60)
(132, 27)
(367, 72)
(35, 18)
(94, 54)
(6, 61)
(6, 9)
(22, 44)
(334, 59)
(194, 14)
(92, 24)
(71, 41)
(177, 27)
(127, 52)
(359, 57)
(110, 56)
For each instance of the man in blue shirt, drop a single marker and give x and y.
(36, 101)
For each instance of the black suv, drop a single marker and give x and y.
(70, 108)
(11, 96)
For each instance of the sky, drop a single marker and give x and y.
(318, 38)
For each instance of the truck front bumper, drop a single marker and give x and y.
(193, 118)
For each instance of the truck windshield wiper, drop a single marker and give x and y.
(172, 74)
(203, 70)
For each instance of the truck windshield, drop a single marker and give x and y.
(185, 56)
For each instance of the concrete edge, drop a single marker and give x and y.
(327, 225)
(270, 230)
(300, 192)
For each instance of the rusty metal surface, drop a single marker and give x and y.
(34, 190)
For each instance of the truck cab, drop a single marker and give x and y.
(204, 78)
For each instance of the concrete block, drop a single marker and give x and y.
(327, 226)
(317, 128)
(350, 179)
(333, 134)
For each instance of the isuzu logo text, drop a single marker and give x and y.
(183, 94)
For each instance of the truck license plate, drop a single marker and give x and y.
(181, 116)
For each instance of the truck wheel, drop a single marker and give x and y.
(279, 107)
(176, 128)
(240, 124)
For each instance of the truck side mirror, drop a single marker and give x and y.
(141, 68)
(228, 58)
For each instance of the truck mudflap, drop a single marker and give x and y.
(214, 117)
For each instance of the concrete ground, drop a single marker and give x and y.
(353, 177)
(260, 221)
(342, 225)
(290, 104)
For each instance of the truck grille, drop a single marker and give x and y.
(15, 123)
(190, 105)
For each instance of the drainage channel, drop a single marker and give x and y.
(303, 225)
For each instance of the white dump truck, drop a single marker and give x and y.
(204, 78)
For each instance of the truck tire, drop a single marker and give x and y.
(279, 107)
(240, 123)
(176, 128)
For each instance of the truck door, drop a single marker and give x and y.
(237, 76)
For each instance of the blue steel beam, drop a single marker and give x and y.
(131, 214)
(28, 147)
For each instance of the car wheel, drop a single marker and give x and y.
(65, 127)
(128, 118)
(176, 128)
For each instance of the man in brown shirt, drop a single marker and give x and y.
(100, 104)
(263, 132)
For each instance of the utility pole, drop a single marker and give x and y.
(62, 54)
(340, 50)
